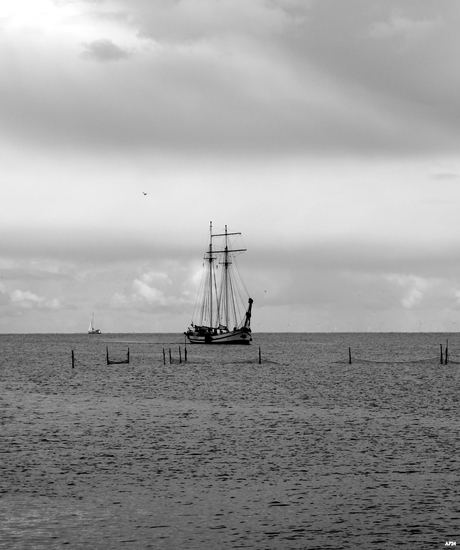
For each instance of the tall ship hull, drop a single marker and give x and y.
(219, 303)
(238, 337)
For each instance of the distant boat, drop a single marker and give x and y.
(220, 316)
(91, 329)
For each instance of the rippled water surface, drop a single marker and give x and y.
(303, 450)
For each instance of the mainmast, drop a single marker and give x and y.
(225, 281)
(210, 274)
(226, 276)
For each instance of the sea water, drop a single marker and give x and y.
(299, 450)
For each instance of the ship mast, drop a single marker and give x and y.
(224, 308)
(210, 274)
(226, 277)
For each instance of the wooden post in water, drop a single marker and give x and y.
(73, 360)
(164, 357)
(349, 356)
(186, 353)
(107, 354)
(180, 356)
(170, 360)
(260, 356)
(441, 354)
(128, 356)
(447, 350)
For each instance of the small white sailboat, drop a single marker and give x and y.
(91, 329)
(220, 316)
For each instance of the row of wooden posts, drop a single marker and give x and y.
(108, 360)
(126, 361)
(170, 358)
(443, 357)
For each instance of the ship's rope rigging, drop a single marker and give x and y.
(240, 277)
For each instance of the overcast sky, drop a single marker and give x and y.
(326, 131)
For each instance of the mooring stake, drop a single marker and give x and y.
(441, 354)
(180, 356)
(164, 357)
(349, 356)
(260, 356)
(186, 353)
(73, 360)
(170, 360)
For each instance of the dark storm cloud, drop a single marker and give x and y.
(104, 50)
(253, 77)
(398, 55)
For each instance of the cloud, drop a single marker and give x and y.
(239, 77)
(156, 290)
(20, 296)
(415, 288)
(104, 50)
(151, 294)
(206, 22)
(444, 176)
(27, 299)
(398, 25)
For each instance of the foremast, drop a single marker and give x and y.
(211, 275)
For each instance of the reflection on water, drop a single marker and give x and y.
(301, 451)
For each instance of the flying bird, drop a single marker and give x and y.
(144, 192)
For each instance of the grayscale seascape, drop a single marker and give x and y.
(301, 451)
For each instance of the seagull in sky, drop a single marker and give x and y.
(144, 192)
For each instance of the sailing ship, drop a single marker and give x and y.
(91, 329)
(219, 316)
